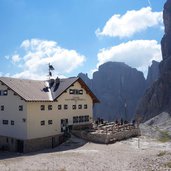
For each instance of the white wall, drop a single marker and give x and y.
(11, 103)
(35, 115)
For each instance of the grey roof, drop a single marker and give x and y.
(34, 90)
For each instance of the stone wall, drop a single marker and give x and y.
(123, 135)
(11, 144)
(42, 143)
(7, 143)
(106, 138)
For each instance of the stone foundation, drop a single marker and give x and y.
(42, 143)
(25, 146)
(7, 144)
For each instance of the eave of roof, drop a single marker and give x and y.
(92, 95)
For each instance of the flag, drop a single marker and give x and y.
(51, 67)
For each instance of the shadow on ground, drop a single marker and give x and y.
(70, 144)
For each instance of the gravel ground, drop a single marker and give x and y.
(78, 155)
(137, 154)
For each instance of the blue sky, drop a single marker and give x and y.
(77, 35)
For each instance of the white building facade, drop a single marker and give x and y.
(35, 114)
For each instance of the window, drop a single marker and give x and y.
(42, 107)
(75, 119)
(62, 129)
(64, 122)
(80, 91)
(49, 122)
(2, 108)
(5, 92)
(5, 122)
(65, 106)
(80, 106)
(85, 106)
(75, 91)
(74, 107)
(80, 118)
(86, 118)
(71, 91)
(42, 122)
(49, 107)
(59, 107)
(20, 108)
(12, 122)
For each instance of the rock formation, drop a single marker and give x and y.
(153, 73)
(86, 79)
(157, 98)
(118, 87)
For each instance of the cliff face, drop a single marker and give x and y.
(153, 73)
(157, 98)
(118, 87)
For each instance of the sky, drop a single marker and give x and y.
(77, 35)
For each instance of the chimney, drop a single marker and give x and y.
(56, 84)
(51, 83)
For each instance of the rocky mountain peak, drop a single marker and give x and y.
(157, 98)
(153, 73)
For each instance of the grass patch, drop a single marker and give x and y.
(164, 136)
(162, 153)
(63, 169)
(168, 164)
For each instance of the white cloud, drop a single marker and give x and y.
(137, 53)
(16, 58)
(130, 23)
(39, 53)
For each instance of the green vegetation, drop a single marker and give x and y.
(164, 136)
(168, 164)
(63, 169)
(162, 153)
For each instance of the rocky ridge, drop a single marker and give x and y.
(153, 73)
(157, 98)
(118, 87)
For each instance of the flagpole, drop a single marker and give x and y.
(49, 71)
(51, 68)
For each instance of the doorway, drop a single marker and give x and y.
(20, 146)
